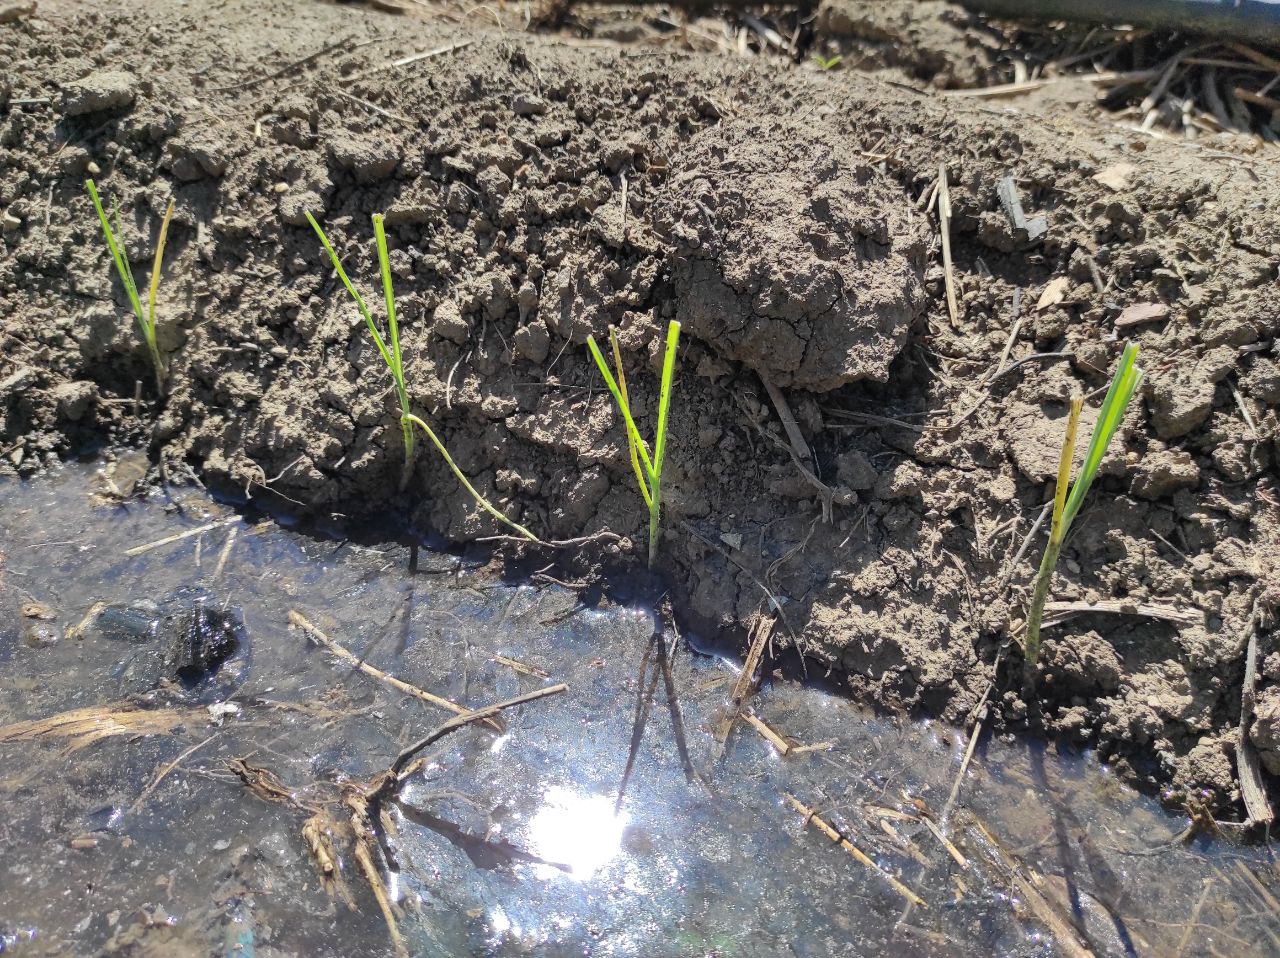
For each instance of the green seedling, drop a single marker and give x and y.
(648, 469)
(1066, 505)
(390, 353)
(827, 63)
(146, 318)
(412, 420)
(392, 356)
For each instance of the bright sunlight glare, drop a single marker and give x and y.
(580, 831)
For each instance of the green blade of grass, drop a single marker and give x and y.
(146, 320)
(391, 354)
(1123, 384)
(480, 500)
(1057, 530)
(633, 440)
(648, 470)
(131, 287)
(393, 327)
(664, 397)
(122, 265)
(660, 437)
(622, 403)
(355, 294)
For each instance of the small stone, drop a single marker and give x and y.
(99, 92)
(295, 206)
(1179, 405)
(533, 342)
(1161, 472)
(74, 161)
(493, 183)
(370, 159)
(74, 399)
(11, 10)
(854, 470)
(526, 104)
(192, 158)
(450, 324)
(9, 223)
(281, 187)
(1262, 382)
(458, 199)
(40, 635)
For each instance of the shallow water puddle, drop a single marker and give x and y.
(511, 843)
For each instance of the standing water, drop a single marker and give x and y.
(165, 814)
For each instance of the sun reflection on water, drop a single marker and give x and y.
(580, 831)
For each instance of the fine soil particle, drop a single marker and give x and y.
(537, 192)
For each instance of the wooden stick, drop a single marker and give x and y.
(474, 715)
(1000, 89)
(946, 843)
(297, 619)
(1059, 924)
(944, 225)
(1059, 612)
(225, 553)
(746, 679)
(177, 537)
(418, 57)
(1194, 919)
(517, 666)
(811, 815)
(769, 735)
(364, 858)
(1252, 789)
(137, 802)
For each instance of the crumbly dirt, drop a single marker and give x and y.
(539, 188)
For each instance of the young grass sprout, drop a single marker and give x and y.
(390, 353)
(1066, 505)
(648, 469)
(147, 318)
(389, 350)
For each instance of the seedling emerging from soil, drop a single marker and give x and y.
(147, 319)
(648, 470)
(392, 356)
(1067, 506)
(390, 353)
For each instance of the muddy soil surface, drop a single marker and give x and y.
(537, 191)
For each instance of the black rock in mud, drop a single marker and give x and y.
(189, 643)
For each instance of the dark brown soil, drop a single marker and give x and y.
(537, 190)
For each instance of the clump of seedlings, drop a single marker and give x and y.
(389, 350)
(648, 469)
(146, 318)
(1066, 505)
